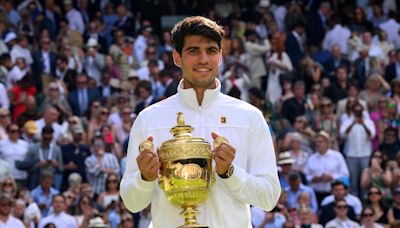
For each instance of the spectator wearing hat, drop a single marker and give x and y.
(74, 155)
(6, 218)
(97, 222)
(94, 61)
(94, 33)
(341, 219)
(327, 211)
(73, 16)
(295, 188)
(324, 166)
(13, 150)
(285, 162)
(10, 40)
(58, 216)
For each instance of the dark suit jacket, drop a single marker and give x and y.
(315, 30)
(73, 100)
(328, 213)
(38, 67)
(70, 79)
(101, 41)
(359, 73)
(293, 49)
(329, 66)
(390, 72)
(128, 26)
(112, 90)
(71, 154)
(171, 89)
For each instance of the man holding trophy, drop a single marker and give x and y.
(218, 183)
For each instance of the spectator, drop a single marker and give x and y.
(341, 219)
(368, 218)
(58, 216)
(295, 106)
(338, 35)
(376, 201)
(44, 157)
(74, 17)
(305, 216)
(263, 219)
(257, 49)
(100, 164)
(326, 121)
(6, 218)
(50, 118)
(94, 61)
(43, 194)
(74, 155)
(299, 157)
(80, 98)
(357, 133)
(111, 194)
(13, 150)
(390, 146)
(335, 61)
(376, 175)
(294, 44)
(324, 166)
(278, 63)
(294, 190)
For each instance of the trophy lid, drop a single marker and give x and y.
(183, 145)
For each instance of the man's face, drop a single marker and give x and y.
(46, 183)
(46, 138)
(341, 209)
(321, 144)
(294, 184)
(299, 91)
(339, 191)
(341, 74)
(5, 208)
(58, 204)
(199, 62)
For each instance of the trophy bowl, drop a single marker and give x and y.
(186, 171)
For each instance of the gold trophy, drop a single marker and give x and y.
(186, 172)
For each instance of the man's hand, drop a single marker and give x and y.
(148, 162)
(223, 156)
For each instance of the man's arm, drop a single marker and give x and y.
(135, 191)
(258, 185)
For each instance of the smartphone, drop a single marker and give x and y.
(109, 138)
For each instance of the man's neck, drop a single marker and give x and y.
(200, 91)
(4, 218)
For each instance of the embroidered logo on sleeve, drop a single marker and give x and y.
(223, 119)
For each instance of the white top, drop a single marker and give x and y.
(258, 215)
(335, 223)
(62, 220)
(351, 200)
(358, 143)
(18, 51)
(332, 163)
(58, 129)
(75, 21)
(12, 152)
(4, 99)
(252, 183)
(391, 27)
(337, 35)
(12, 222)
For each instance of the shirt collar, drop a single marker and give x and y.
(189, 97)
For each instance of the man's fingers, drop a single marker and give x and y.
(145, 157)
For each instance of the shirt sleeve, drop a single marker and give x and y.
(135, 192)
(258, 185)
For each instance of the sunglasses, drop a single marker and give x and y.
(112, 181)
(127, 220)
(4, 115)
(368, 215)
(341, 206)
(377, 156)
(104, 113)
(325, 105)
(14, 131)
(374, 193)
(8, 184)
(6, 204)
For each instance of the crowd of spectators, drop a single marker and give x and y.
(74, 74)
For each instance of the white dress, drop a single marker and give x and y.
(274, 89)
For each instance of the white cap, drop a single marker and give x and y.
(10, 36)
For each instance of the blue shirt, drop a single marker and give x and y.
(40, 198)
(292, 197)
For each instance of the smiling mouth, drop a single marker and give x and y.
(202, 69)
